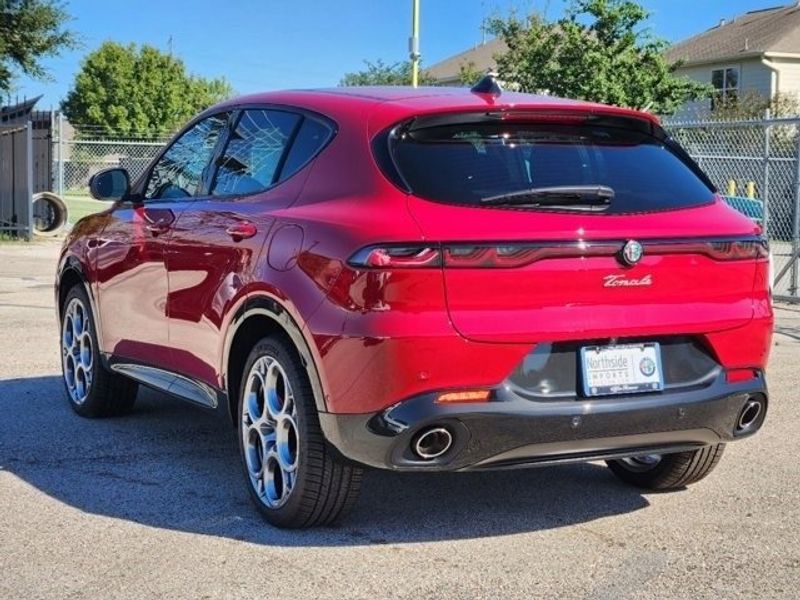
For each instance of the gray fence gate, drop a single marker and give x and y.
(16, 181)
(759, 159)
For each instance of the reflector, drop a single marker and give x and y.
(465, 396)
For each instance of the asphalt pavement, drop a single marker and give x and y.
(153, 505)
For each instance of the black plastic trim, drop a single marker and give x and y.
(517, 432)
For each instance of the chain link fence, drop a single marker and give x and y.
(77, 160)
(755, 164)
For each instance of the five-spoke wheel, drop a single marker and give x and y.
(269, 430)
(92, 389)
(294, 477)
(77, 351)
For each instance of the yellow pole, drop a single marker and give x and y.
(731, 187)
(751, 189)
(414, 43)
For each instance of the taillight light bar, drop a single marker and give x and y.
(397, 257)
(514, 255)
(744, 249)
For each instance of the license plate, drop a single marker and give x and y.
(625, 369)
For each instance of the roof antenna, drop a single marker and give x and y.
(487, 85)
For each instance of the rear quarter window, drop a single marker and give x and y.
(310, 139)
(465, 163)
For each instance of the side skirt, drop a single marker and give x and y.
(173, 384)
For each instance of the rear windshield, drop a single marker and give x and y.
(465, 164)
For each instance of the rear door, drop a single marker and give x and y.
(554, 268)
(217, 240)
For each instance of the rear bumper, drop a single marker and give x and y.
(515, 432)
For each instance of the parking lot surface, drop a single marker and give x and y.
(153, 505)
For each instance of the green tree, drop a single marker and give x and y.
(469, 74)
(381, 73)
(599, 51)
(137, 91)
(29, 31)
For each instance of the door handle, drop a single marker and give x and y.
(242, 230)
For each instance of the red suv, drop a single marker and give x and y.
(423, 280)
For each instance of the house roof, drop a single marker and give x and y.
(481, 56)
(752, 34)
(19, 111)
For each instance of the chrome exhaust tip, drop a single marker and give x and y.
(432, 443)
(750, 414)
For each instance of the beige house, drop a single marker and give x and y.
(758, 52)
(480, 58)
(755, 53)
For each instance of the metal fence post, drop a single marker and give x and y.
(29, 177)
(796, 215)
(60, 184)
(765, 188)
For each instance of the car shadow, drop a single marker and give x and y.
(170, 466)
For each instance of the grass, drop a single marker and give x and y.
(7, 237)
(80, 206)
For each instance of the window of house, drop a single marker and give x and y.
(253, 154)
(726, 85)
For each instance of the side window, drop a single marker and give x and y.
(253, 154)
(179, 171)
(313, 135)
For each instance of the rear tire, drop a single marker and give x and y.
(294, 477)
(670, 471)
(92, 390)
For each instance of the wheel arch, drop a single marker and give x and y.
(70, 274)
(257, 317)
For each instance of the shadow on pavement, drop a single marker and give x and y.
(171, 466)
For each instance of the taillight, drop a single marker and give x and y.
(734, 249)
(497, 257)
(501, 255)
(397, 257)
(739, 250)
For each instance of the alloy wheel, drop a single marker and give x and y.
(77, 351)
(643, 463)
(269, 432)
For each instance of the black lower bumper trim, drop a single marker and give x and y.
(516, 432)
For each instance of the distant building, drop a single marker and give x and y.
(41, 121)
(480, 58)
(757, 53)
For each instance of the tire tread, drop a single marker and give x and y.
(329, 487)
(675, 471)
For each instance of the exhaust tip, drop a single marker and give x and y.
(750, 414)
(432, 443)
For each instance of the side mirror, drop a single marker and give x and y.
(110, 185)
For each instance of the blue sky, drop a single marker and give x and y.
(273, 44)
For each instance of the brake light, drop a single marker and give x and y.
(509, 256)
(563, 118)
(501, 255)
(397, 257)
(739, 250)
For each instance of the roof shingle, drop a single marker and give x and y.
(482, 56)
(754, 33)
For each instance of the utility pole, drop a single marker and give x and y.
(413, 43)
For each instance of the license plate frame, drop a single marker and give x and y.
(621, 369)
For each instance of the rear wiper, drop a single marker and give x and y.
(575, 197)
